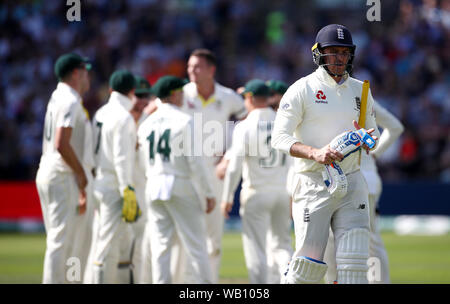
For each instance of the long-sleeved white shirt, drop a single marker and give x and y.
(314, 110)
(252, 157)
(215, 112)
(392, 129)
(115, 142)
(64, 110)
(166, 147)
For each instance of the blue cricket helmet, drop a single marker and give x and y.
(333, 35)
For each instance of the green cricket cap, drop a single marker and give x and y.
(143, 87)
(122, 81)
(257, 87)
(277, 86)
(68, 62)
(166, 84)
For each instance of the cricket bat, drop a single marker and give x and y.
(363, 109)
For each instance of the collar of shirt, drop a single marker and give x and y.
(165, 105)
(211, 98)
(259, 111)
(323, 76)
(121, 99)
(65, 88)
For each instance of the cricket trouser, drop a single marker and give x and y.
(58, 194)
(83, 223)
(266, 233)
(130, 261)
(315, 211)
(181, 214)
(145, 275)
(214, 227)
(89, 271)
(214, 224)
(111, 230)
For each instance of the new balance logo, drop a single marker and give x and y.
(362, 206)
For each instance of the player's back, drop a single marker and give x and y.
(165, 138)
(64, 109)
(110, 122)
(263, 167)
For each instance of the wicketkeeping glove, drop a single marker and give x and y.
(335, 180)
(130, 207)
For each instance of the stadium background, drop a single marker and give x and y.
(405, 56)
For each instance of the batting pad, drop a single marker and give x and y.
(351, 257)
(305, 270)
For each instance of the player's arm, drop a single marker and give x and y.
(62, 145)
(392, 129)
(124, 158)
(124, 152)
(239, 111)
(233, 171)
(64, 127)
(289, 116)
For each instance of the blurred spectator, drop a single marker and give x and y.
(405, 56)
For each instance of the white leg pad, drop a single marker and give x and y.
(304, 270)
(351, 257)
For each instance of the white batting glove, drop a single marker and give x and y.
(335, 180)
(351, 141)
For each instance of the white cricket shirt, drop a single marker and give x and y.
(166, 147)
(64, 110)
(223, 104)
(115, 142)
(252, 156)
(392, 129)
(314, 110)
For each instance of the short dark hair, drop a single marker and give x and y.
(207, 54)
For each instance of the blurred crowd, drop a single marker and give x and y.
(405, 56)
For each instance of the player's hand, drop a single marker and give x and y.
(370, 131)
(221, 168)
(326, 155)
(81, 180)
(130, 207)
(226, 209)
(81, 208)
(210, 204)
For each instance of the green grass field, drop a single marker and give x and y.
(413, 259)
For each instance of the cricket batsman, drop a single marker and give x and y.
(316, 124)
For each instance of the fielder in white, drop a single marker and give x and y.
(114, 187)
(392, 129)
(216, 104)
(166, 151)
(315, 111)
(264, 199)
(132, 244)
(61, 180)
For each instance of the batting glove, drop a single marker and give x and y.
(335, 180)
